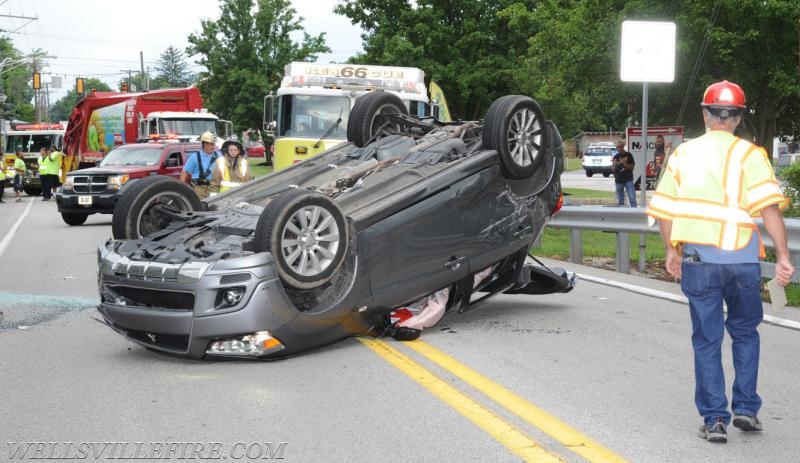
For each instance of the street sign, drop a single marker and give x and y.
(648, 51)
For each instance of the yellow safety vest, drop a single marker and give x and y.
(712, 188)
(44, 165)
(227, 183)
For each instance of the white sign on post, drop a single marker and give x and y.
(648, 51)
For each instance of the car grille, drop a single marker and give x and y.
(180, 343)
(89, 183)
(148, 298)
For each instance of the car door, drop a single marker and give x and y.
(494, 222)
(173, 163)
(415, 251)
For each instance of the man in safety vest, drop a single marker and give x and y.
(44, 169)
(19, 173)
(55, 169)
(232, 169)
(712, 188)
(3, 171)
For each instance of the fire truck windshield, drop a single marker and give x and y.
(186, 126)
(312, 115)
(31, 142)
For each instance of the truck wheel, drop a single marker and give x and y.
(589, 173)
(369, 115)
(515, 127)
(137, 211)
(74, 218)
(306, 233)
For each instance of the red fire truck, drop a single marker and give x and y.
(103, 120)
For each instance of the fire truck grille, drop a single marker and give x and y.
(89, 183)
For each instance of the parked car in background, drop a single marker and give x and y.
(97, 190)
(327, 248)
(597, 159)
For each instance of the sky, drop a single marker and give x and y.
(104, 38)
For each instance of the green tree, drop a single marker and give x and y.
(62, 108)
(15, 83)
(172, 70)
(245, 52)
(572, 65)
(469, 48)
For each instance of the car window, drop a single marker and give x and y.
(177, 156)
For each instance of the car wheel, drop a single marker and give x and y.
(136, 213)
(589, 173)
(74, 218)
(606, 174)
(369, 115)
(515, 128)
(306, 233)
(32, 191)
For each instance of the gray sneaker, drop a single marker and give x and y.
(714, 432)
(747, 422)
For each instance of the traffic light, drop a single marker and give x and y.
(123, 87)
(37, 81)
(79, 85)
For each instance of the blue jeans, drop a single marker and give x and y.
(706, 286)
(621, 187)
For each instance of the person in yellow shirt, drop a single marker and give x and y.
(44, 169)
(2, 175)
(705, 202)
(54, 168)
(19, 173)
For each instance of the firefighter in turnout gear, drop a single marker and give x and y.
(232, 169)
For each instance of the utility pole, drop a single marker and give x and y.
(145, 86)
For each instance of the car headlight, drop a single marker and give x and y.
(250, 345)
(115, 182)
(67, 186)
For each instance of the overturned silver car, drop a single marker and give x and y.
(328, 248)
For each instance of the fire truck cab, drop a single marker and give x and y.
(309, 112)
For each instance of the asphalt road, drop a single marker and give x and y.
(599, 374)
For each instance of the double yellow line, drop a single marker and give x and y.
(500, 430)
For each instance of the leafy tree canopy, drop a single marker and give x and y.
(752, 43)
(468, 48)
(245, 52)
(15, 83)
(565, 53)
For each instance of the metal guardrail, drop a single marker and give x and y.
(626, 220)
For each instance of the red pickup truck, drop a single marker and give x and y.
(96, 190)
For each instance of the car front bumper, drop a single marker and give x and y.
(69, 202)
(180, 309)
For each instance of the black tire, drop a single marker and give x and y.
(303, 262)
(74, 218)
(32, 191)
(369, 114)
(515, 128)
(589, 173)
(135, 214)
(606, 174)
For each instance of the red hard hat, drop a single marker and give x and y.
(725, 95)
